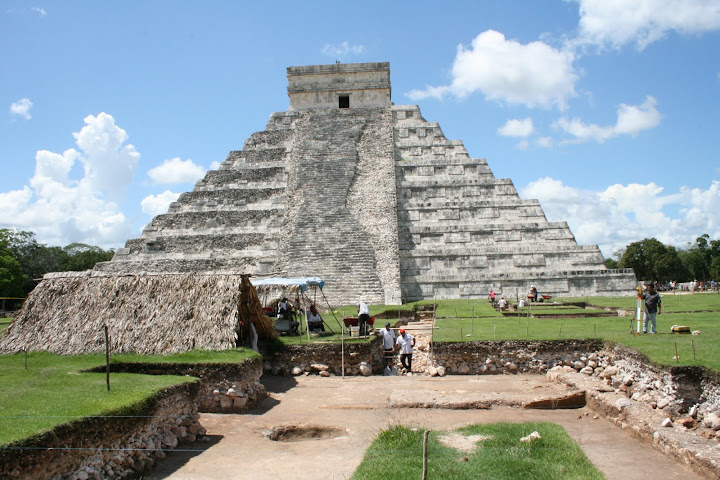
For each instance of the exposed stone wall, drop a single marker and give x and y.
(360, 359)
(675, 409)
(224, 387)
(108, 447)
(509, 357)
(674, 389)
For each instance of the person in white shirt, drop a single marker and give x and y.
(388, 336)
(363, 318)
(315, 321)
(503, 304)
(405, 343)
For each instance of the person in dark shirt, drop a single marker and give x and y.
(653, 304)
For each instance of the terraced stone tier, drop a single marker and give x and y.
(217, 218)
(227, 196)
(136, 264)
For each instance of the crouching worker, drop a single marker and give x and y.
(315, 321)
(503, 304)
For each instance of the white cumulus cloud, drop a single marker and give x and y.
(622, 214)
(517, 128)
(158, 204)
(533, 74)
(21, 108)
(631, 120)
(109, 163)
(175, 171)
(614, 23)
(61, 208)
(545, 142)
(342, 50)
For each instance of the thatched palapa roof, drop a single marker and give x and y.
(146, 313)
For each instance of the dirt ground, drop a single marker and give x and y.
(359, 407)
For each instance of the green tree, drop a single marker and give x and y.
(82, 256)
(715, 259)
(702, 259)
(614, 262)
(611, 263)
(652, 260)
(11, 276)
(36, 259)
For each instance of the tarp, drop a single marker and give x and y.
(302, 283)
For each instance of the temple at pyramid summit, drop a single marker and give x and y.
(344, 185)
(372, 198)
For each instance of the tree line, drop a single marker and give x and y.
(653, 260)
(24, 260)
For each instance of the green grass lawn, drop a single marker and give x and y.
(52, 390)
(699, 312)
(672, 302)
(4, 323)
(397, 454)
(476, 320)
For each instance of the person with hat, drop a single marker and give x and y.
(503, 304)
(405, 343)
(388, 336)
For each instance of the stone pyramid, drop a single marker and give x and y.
(372, 198)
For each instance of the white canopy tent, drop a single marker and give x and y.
(298, 286)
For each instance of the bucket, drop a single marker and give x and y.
(354, 331)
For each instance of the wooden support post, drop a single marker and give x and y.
(107, 357)
(425, 450)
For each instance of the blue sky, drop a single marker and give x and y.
(607, 112)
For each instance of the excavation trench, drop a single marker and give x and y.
(323, 426)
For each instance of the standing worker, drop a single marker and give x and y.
(405, 343)
(653, 304)
(363, 318)
(388, 336)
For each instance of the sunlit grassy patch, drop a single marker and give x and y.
(397, 454)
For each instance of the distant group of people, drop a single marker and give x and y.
(691, 286)
(501, 304)
(289, 313)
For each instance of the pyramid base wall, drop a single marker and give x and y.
(595, 283)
